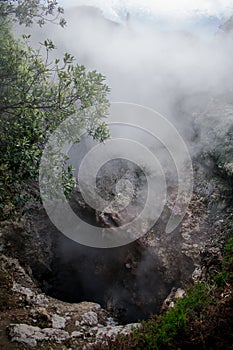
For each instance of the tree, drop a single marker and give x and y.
(36, 95)
(29, 11)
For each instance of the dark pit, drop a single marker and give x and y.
(131, 281)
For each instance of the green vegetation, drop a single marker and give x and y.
(225, 276)
(160, 332)
(29, 11)
(36, 95)
(201, 301)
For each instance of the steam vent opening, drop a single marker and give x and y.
(130, 281)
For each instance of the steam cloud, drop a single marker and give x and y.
(175, 73)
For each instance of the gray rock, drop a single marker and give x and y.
(169, 302)
(58, 321)
(89, 318)
(76, 334)
(56, 335)
(111, 332)
(23, 333)
(30, 335)
(31, 296)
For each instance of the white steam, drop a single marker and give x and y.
(173, 72)
(180, 8)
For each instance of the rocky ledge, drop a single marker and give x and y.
(30, 319)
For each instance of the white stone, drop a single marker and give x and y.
(76, 334)
(31, 296)
(58, 321)
(196, 275)
(57, 335)
(23, 290)
(30, 335)
(111, 332)
(23, 333)
(180, 293)
(89, 318)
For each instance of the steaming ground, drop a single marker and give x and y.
(179, 75)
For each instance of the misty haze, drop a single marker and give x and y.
(117, 175)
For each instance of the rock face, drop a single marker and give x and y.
(31, 335)
(47, 321)
(130, 281)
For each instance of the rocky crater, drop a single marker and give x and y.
(62, 295)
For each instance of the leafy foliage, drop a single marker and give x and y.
(28, 11)
(36, 95)
(225, 276)
(160, 332)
